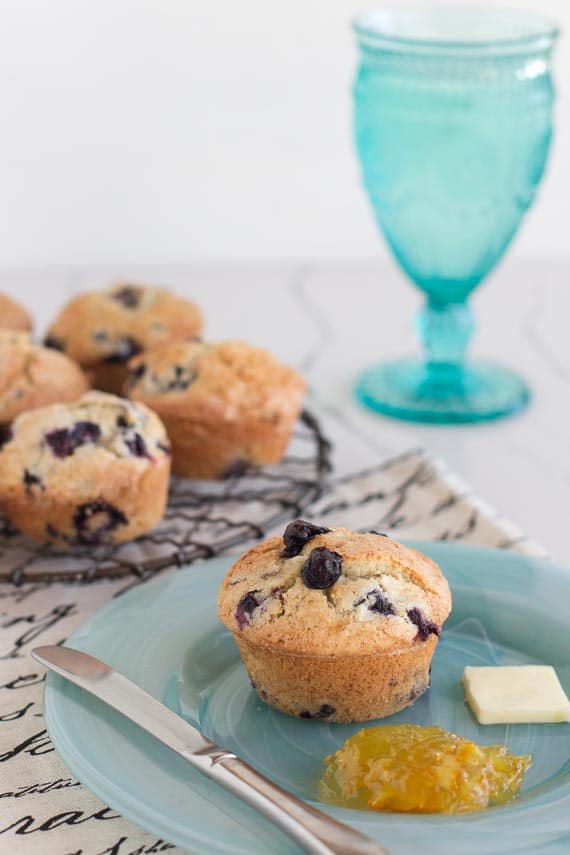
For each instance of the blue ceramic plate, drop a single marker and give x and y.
(164, 635)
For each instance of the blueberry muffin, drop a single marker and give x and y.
(333, 625)
(90, 473)
(225, 406)
(32, 376)
(102, 330)
(13, 316)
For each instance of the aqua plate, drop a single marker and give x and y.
(507, 610)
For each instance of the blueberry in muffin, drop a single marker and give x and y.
(225, 406)
(102, 330)
(89, 473)
(335, 625)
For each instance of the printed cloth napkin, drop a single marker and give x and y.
(43, 809)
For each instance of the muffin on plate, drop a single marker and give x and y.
(13, 316)
(334, 625)
(102, 330)
(90, 473)
(32, 376)
(225, 406)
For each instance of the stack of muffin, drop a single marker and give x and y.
(91, 468)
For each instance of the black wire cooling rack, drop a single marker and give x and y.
(203, 519)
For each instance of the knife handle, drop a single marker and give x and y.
(315, 831)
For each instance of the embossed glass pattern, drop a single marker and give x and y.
(452, 115)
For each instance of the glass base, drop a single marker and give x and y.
(416, 391)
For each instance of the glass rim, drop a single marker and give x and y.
(546, 32)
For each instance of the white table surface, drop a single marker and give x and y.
(331, 321)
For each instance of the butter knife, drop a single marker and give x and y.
(316, 832)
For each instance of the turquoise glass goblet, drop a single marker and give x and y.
(453, 125)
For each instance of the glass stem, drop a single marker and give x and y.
(445, 330)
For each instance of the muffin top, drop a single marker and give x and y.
(226, 381)
(75, 448)
(32, 376)
(323, 592)
(115, 324)
(12, 315)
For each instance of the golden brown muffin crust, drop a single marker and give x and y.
(343, 618)
(224, 381)
(87, 473)
(113, 324)
(33, 376)
(224, 405)
(13, 316)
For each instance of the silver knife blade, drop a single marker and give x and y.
(125, 696)
(317, 832)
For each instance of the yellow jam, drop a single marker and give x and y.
(413, 769)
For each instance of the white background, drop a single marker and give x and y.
(176, 131)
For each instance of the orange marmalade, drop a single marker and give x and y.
(413, 769)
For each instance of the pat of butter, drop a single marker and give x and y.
(519, 694)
